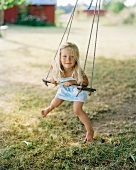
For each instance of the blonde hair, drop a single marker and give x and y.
(57, 69)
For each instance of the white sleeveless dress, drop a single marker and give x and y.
(70, 93)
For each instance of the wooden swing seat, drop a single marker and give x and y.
(80, 88)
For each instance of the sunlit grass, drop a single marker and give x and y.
(56, 142)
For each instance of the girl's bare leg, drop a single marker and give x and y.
(77, 106)
(54, 103)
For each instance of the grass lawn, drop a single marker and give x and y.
(27, 141)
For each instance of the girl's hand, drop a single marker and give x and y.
(70, 83)
(67, 84)
(53, 81)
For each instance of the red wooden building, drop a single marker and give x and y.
(40, 8)
(11, 14)
(92, 9)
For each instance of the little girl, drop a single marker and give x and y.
(67, 71)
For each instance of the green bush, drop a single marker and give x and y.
(130, 18)
(113, 6)
(31, 20)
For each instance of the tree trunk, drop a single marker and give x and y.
(1, 19)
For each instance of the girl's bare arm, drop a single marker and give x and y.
(53, 81)
(74, 82)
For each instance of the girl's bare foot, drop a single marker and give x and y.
(44, 112)
(88, 138)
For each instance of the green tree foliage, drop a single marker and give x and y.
(114, 6)
(106, 4)
(4, 4)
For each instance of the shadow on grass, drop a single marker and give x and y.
(56, 141)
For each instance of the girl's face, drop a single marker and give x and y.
(67, 58)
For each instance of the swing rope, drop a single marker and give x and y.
(69, 23)
(90, 36)
(96, 36)
(92, 75)
(80, 88)
(90, 89)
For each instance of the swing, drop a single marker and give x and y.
(81, 87)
